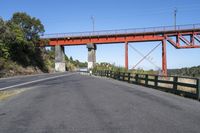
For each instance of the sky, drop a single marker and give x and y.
(63, 16)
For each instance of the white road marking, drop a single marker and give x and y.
(21, 76)
(35, 81)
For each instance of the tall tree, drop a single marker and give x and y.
(4, 37)
(30, 26)
(24, 47)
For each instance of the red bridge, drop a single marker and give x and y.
(182, 36)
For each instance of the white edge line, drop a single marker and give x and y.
(24, 76)
(35, 81)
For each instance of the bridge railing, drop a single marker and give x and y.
(185, 86)
(123, 31)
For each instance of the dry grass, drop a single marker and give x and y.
(181, 80)
(7, 94)
(187, 89)
(170, 86)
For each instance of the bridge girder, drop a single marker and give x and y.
(181, 37)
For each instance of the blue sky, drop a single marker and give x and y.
(62, 16)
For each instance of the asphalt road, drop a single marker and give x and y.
(7, 82)
(83, 104)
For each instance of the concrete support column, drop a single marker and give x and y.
(60, 59)
(91, 55)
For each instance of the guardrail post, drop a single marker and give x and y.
(198, 88)
(97, 73)
(114, 75)
(175, 80)
(156, 81)
(146, 80)
(118, 75)
(123, 76)
(129, 77)
(136, 78)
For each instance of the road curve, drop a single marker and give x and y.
(86, 104)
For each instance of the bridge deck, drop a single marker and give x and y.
(189, 34)
(136, 31)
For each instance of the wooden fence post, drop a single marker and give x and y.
(198, 89)
(114, 75)
(118, 75)
(129, 77)
(175, 80)
(146, 80)
(123, 77)
(156, 81)
(136, 78)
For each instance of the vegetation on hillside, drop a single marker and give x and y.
(19, 38)
(190, 72)
(72, 64)
(113, 67)
(20, 51)
(19, 41)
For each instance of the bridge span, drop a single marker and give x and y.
(181, 37)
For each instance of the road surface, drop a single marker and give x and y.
(77, 103)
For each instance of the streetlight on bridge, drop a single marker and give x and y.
(93, 23)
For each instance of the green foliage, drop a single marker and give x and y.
(30, 26)
(19, 41)
(191, 72)
(76, 63)
(108, 66)
(113, 67)
(4, 34)
(19, 38)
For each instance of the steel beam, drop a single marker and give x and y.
(164, 58)
(126, 55)
(104, 40)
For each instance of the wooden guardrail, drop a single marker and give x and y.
(185, 86)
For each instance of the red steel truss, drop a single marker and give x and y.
(183, 36)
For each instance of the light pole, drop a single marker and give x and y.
(93, 22)
(175, 12)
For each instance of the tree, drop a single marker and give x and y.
(31, 26)
(4, 35)
(26, 31)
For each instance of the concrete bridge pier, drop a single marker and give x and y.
(91, 55)
(60, 59)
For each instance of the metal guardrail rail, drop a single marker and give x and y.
(172, 84)
(123, 31)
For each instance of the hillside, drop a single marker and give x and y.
(20, 53)
(191, 71)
